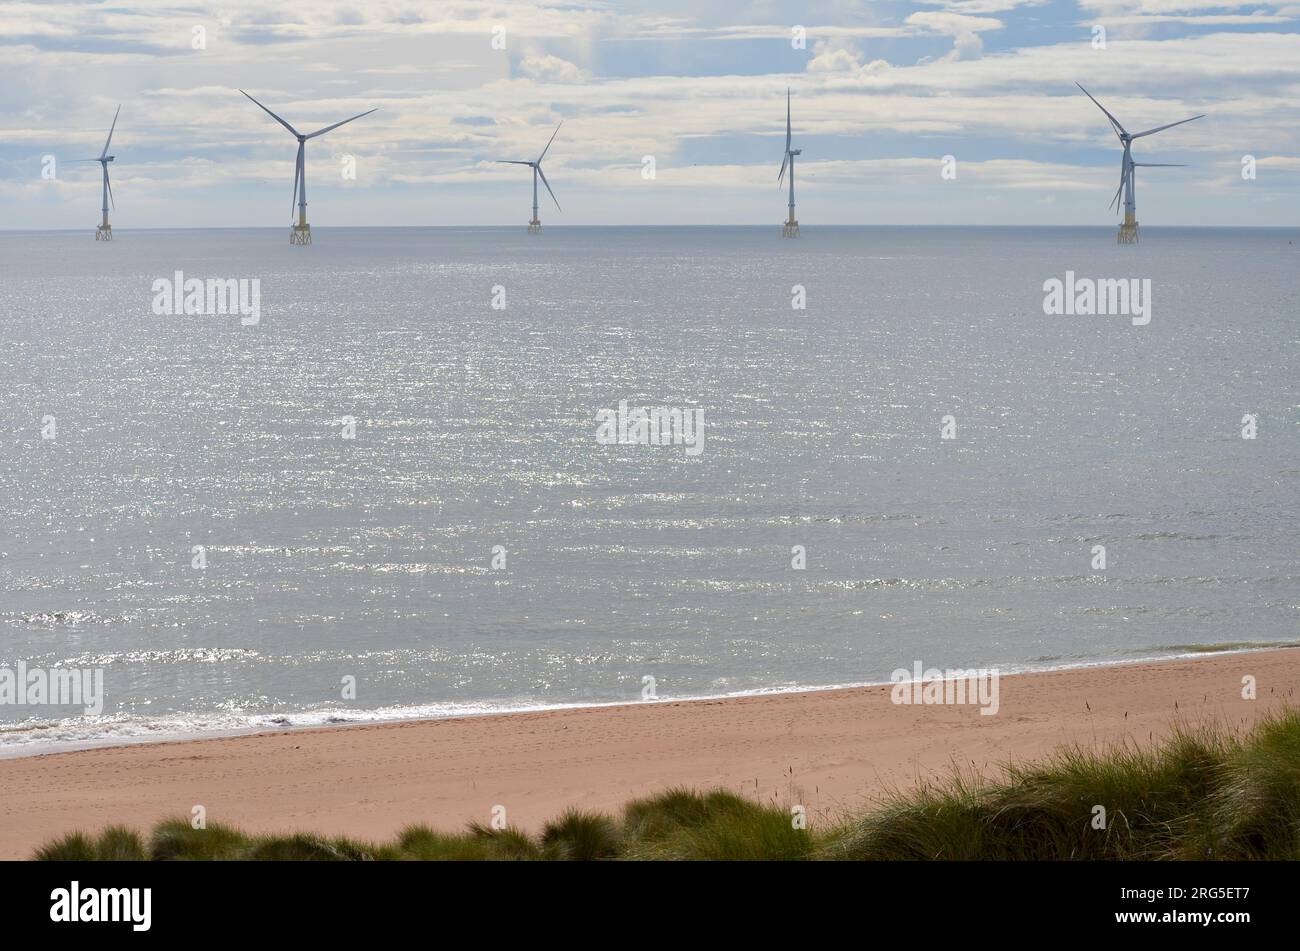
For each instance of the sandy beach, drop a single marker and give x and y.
(828, 750)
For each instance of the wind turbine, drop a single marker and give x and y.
(535, 226)
(301, 233)
(1128, 231)
(791, 227)
(105, 231)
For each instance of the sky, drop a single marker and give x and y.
(881, 92)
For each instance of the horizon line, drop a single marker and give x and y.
(763, 225)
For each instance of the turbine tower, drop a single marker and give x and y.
(1128, 231)
(535, 226)
(301, 231)
(104, 232)
(791, 227)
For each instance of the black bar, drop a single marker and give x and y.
(659, 901)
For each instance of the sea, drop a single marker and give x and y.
(386, 493)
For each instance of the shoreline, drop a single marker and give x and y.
(831, 749)
(55, 747)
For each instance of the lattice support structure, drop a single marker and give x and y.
(1128, 231)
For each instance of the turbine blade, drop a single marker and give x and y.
(1170, 126)
(1113, 121)
(512, 162)
(109, 140)
(548, 185)
(1159, 165)
(331, 128)
(273, 115)
(787, 119)
(297, 174)
(781, 176)
(109, 182)
(1123, 172)
(548, 146)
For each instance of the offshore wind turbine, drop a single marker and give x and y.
(104, 232)
(535, 226)
(301, 231)
(1128, 231)
(791, 227)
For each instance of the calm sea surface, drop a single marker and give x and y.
(372, 558)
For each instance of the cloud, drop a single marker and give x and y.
(833, 57)
(1146, 7)
(547, 68)
(964, 29)
(967, 46)
(982, 6)
(952, 24)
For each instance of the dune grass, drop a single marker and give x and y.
(1202, 794)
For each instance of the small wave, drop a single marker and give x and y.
(61, 618)
(412, 568)
(1224, 647)
(198, 655)
(1180, 536)
(281, 549)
